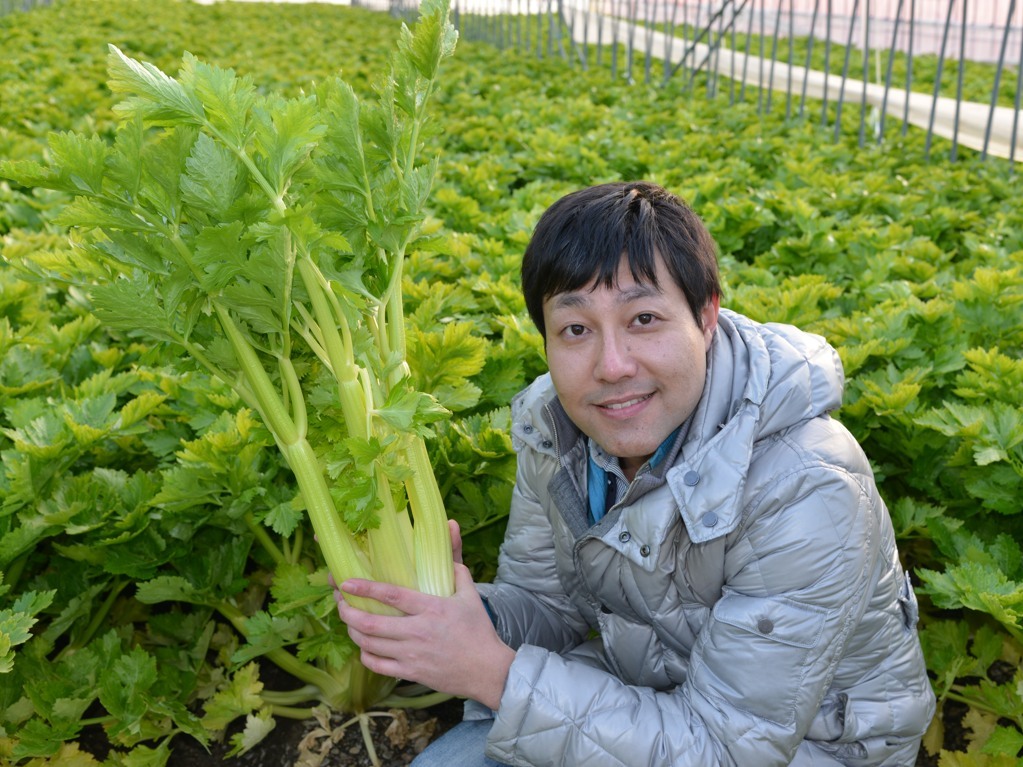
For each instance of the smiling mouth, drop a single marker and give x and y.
(626, 403)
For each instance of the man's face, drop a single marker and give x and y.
(628, 362)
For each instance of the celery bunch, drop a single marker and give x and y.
(265, 236)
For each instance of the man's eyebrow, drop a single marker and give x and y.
(641, 290)
(579, 298)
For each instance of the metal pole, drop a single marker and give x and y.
(845, 70)
(888, 73)
(691, 49)
(633, 14)
(559, 24)
(550, 28)
(648, 53)
(614, 42)
(937, 80)
(515, 24)
(959, 82)
(998, 77)
(792, 47)
(697, 36)
(774, 56)
(866, 67)
(1015, 117)
(539, 28)
(716, 48)
(760, 58)
(909, 65)
(745, 61)
(685, 43)
(809, 52)
(669, 40)
(585, 48)
(731, 66)
(827, 64)
(505, 18)
(528, 23)
(712, 45)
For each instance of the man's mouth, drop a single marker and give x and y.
(626, 403)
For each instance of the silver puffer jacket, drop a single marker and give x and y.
(744, 605)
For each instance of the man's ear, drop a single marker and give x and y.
(709, 315)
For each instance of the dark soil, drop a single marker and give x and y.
(397, 735)
(398, 741)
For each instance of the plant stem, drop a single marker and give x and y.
(344, 558)
(391, 551)
(434, 563)
(416, 701)
(296, 545)
(367, 738)
(353, 404)
(14, 570)
(291, 697)
(101, 614)
(979, 703)
(269, 404)
(291, 712)
(330, 688)
(264, 539)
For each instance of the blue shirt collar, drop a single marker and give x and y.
(599, 480)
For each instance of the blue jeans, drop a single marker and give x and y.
(461, 746)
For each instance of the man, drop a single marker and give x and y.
(698, 569)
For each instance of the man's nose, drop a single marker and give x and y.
(616, 360)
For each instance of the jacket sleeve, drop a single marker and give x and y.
(797, 578)
(526, 601)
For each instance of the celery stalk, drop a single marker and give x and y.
(265, 237)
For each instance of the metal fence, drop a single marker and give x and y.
(10, 6)
(889, 59)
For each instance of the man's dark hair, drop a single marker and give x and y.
(580, 240)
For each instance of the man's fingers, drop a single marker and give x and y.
(463, 579)
(404, 600)
(456, 541)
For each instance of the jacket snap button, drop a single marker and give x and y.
(528, 429)
(691, 478)
(625, 536)
(644, 550)
(709, 519)
(765, 626)
(547, 443)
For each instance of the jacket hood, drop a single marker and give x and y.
(761, 380)
(789, 374)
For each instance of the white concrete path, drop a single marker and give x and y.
(973, 117)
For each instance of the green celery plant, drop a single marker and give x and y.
(265, 237)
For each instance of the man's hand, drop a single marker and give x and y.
(446, 643)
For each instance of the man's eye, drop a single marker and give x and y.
(644, 319)
(575, 330)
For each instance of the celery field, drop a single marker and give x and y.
(159, 548)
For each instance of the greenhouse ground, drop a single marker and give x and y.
(284, 747)
(299, 744)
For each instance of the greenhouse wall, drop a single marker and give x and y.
(10, 6)
(984, 22)
(947, 67)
